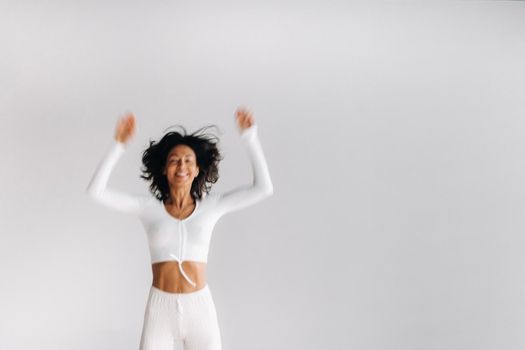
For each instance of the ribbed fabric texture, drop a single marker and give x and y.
(187, 317)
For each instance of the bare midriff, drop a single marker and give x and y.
(167, 276)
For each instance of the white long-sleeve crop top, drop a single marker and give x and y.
(186, 239)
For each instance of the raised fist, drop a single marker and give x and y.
(244, 118)
(125, 128)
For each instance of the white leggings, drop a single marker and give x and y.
(187, 317)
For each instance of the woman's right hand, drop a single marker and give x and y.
(125, 128)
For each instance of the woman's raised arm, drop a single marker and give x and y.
(262, 186)
(97, 187)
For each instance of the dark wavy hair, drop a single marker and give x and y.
(205, 146)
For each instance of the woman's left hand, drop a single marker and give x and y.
(244, 118)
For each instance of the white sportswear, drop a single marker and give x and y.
(186, 239)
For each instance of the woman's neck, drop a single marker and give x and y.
(180, 198)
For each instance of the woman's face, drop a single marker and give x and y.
(181, 166)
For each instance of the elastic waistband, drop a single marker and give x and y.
(198, 294)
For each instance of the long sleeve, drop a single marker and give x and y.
(261, 187)
(97, 187)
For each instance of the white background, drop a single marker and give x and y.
(394, 136)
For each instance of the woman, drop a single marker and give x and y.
(179, 219)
